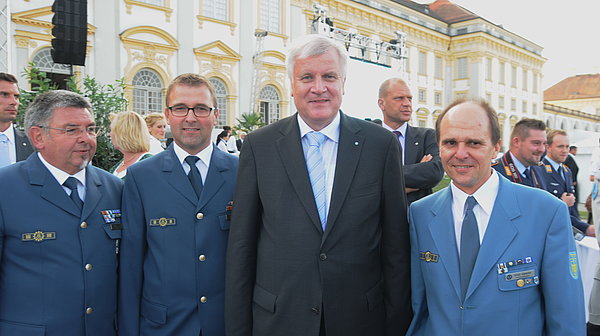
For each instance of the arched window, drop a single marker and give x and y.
(147, 92)
(269, 104)
(562, 125)
(57, 73)
(221, 95)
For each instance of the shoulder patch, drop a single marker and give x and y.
(573, 267)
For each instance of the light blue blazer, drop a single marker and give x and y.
(172, 277)
(525, 281)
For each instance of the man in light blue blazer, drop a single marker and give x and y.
(490, 257)
(174, 241)
(59, 228)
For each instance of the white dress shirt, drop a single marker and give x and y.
(328, 151)
(62, 176)
(202, 164)
(12, 152)
(485, 197)
(401, 138)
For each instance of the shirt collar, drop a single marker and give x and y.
(332, 131)
(520, 167)
(553, 163)
(401, 129)
(485, 195)
(60, 175)
(204, 154)
(10, 133)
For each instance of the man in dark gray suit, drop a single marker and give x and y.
(318, 243)
(420, 153)
(14, 145)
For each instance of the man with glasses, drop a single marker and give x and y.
(177, 208)
(59, 227)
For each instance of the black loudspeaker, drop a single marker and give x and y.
(69, 31)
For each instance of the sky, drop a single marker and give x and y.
(569, 31)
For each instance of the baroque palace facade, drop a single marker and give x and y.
(451, 52)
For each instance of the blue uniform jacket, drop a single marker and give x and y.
(525, 281)
(556, 185)
(58, 268)
(173, 250)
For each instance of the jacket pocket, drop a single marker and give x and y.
(154, 312)
(375, 296)
(21, 329)
(520, 277)
(264, 299)
(112, 234)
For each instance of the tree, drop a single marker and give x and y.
(105, 99)
(250, 121)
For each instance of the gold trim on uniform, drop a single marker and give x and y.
(38, 236)
(428, 256)
(163, 222)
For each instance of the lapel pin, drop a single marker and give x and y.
(355, 143)
(416, 143)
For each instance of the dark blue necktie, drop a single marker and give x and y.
(528, 181)
(71, 183)
(194, 174)
(398, 135)
(469, 245)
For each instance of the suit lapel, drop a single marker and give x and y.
(51, 191)
(442, 232)
(349, 148)
(93, 192)
(214, 178)
(175, 175)
(411, 143)
(292, 157)
(500, 232)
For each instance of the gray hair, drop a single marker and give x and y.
(40, 110)
(315, 45)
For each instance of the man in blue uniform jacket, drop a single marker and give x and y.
(179, 201)
(490, 257)
(59, 228)
(559, 179)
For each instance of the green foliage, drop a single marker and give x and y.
(249, 122)
(443, 183)
(105, 99)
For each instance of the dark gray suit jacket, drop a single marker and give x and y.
(283, 272)
(423, 176)
(22, 145)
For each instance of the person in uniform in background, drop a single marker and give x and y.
(572, 164)
(558, 179)
(60, 224)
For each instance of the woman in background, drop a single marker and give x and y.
(157, 126)
(222, 141)
(130, 136)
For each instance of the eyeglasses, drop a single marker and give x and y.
(76, 131)
(200, 111)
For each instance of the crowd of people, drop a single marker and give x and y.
(319, 224)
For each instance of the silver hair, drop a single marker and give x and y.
(40, 110)
(315, 45)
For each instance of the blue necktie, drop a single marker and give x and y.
(71, 183)
(194, 174)
(528, 181)
(316, 172)
(4, 151)
(469, 245)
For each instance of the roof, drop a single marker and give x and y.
(575, 87)
(450, 12)
(443, 10)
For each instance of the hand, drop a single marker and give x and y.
(592, 178)
(409, 190)
(569, 199)
(590, 231)
(426, 158)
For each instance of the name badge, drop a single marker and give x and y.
(163, 222)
